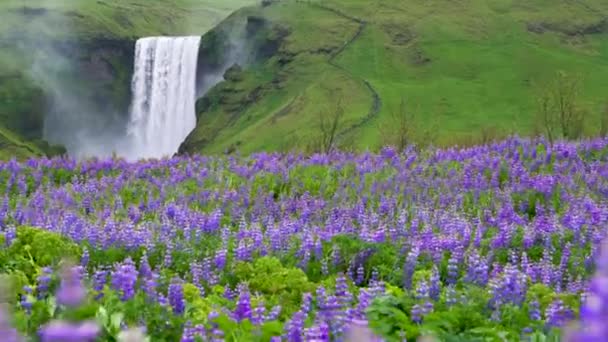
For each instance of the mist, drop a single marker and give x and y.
(73, 118)
(237, 51)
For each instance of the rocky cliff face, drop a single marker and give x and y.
(94, 75)
(106, 66)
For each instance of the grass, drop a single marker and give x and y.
(12, 146)
(115, 18)
(461, 68)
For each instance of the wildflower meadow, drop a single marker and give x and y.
(501, 242)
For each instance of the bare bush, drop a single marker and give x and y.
(326, 139)
(604, 122)
(560, 114)
(398, 131)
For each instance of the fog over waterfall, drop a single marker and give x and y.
(164, 94)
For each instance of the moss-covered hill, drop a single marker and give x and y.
(461, 66)
(91, 45)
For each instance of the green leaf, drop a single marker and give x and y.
(271, 329)
(51, 303)
(116, 320)
(102, 316)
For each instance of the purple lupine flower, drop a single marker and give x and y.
(417, 313)
(274, 313)
(427, 308)
(594, 311)
(557, 314)
(43, 282)
(196, 271)
(168, 257)
(319, 332)
(149, 286)
(294, 328)
(84, 261)
(243, 306)
(124, 279)
(62, 331)
(100, 278)
(422, 289)
(452, 270)
(220, 258)
(258, 314)
(25, 303)
(342, 292)
(435, 284)
(534, 311)
(176, 296)
(451, 296)
(358, 330)
(410, 266)
(8, 333)
(71, 291)
(360, 275)
(228, 293)
(190, 334)
(145, 271)
(10, 235)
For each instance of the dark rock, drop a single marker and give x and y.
(419, 58)
(254, 25)
(536, 28)
(399, 33)
(599, 27)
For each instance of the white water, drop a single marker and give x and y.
(164, 95)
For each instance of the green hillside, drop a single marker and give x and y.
(462, 67)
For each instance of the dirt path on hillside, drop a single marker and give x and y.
(376, 100)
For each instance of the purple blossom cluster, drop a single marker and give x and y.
(503, 217)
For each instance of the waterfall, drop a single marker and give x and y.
(164, 94)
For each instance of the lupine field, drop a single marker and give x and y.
(492, 243)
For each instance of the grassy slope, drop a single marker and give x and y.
(117, 18)
(13, 146)
(84, 21)
(461, 65)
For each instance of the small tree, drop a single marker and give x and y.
(544, 116)
(604, 121)
(566, 97)
(560, 114)
(326, 139)
(399, 129)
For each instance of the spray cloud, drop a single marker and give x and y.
(80, 114)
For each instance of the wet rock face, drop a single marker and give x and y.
(98, 67)
(108, 67)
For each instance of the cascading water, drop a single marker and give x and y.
(164, 94)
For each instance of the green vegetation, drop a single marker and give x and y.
(113, 18)
(464, 71)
